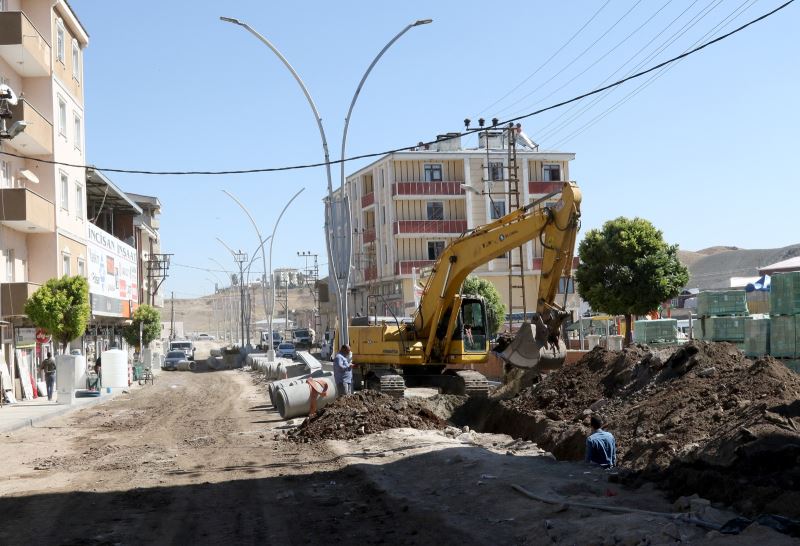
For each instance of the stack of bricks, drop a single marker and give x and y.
(721, 316)
(784, 304)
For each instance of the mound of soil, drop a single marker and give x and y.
(365, 412)
(703, 419)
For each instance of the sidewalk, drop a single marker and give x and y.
(27, 412)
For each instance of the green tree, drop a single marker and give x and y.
(626, 268)
(497, 310)
(61, 307)
(150, 319)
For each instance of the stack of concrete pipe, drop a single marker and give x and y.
(273, 386)
(250, 359)
(293, 397)
(215, 362)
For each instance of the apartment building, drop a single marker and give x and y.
(42, 205)
(408, 206)
(147, 240)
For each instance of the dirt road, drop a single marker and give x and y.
(194, 460)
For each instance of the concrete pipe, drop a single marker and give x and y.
(295, 400)
(183, 366)
(192, 366)
(272, 387)
(251, 358)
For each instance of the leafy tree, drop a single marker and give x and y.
(61, 307)
(150, 319)
(626, 268)
(495, 307)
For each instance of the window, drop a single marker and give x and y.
(77, 131)
(79, 201)
(62, 117)
(81, 267)
(65, 269)
(566, 285)
(435, 249)
(433, 172)
(76, 60)
(551, 173)
(3, 5)
(383, 215)
(60, 40)
(5, 174)
(385, 255)
(498, 209)
(10, 265)
(435, 210)
(64, 191)
(496, 170)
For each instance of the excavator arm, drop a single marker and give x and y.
(555, 226)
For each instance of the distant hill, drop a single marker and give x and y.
(712, 268)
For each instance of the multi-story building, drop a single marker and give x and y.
(147, 241)
(408, 206)
(42, 204)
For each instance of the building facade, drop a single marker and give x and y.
(406, 207)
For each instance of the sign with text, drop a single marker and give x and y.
(112, 274)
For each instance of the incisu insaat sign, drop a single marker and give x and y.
(113, 274)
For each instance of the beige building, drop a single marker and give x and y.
(42, 206)
(408, 206)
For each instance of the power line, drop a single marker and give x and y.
(550, 58)
(415, 146)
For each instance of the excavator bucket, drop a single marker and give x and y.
(533, 347)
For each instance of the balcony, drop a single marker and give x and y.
(537, 263)
(367, 200)
(543, 188)
(369, 235)
(37, 138)
(371, 273)
(416, 190)
(13, 296)
(438, 227)
(405, 267)
(26, 211)
(22, 47)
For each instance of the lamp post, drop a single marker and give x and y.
(239, 258)
(339, 213)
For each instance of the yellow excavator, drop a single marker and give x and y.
(451, 328)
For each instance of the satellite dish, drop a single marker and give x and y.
(8, 94)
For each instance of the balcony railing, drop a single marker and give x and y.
(400, 189)
(37, 138)
(448, 227)
(22, 46)
(26, 211)
(369, 235)
(405, 267)
(13, 296)
(367, 200)
(371, 273)
(542, 187)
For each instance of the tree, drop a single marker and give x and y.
(150, 319)
(626, 268)
(61, 308)
(497, 310)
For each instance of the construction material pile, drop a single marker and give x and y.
(703, 419)
(365, 412)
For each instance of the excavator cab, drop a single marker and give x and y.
(474, 325)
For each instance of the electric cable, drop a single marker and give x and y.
(416, 146)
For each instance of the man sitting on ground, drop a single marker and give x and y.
(601, 448)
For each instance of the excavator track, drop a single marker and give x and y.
(388, 383)
(475, 385)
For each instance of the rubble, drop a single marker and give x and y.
(365, 412)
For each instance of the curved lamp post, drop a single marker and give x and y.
(338, 258)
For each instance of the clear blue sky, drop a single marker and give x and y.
(708, 151)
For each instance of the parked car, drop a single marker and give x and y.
(204, 337)
(286, 350)
(172, 359)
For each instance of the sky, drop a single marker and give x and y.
(707, 151)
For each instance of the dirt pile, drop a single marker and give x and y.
(703, 419)
(365, 412)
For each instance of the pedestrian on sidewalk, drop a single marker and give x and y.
(601, 448)
(343, 371)
(48, 366)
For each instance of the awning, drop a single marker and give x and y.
(25, 173)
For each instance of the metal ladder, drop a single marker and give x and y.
(516, 257)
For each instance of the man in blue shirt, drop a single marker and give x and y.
(601, 448)
(343, 371)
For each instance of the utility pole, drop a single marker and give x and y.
(311, 277)
(172, 317)
(240, 258)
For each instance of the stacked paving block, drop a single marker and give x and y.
(756, 335)
(722, 316)
(655, 331)
(784, 302)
